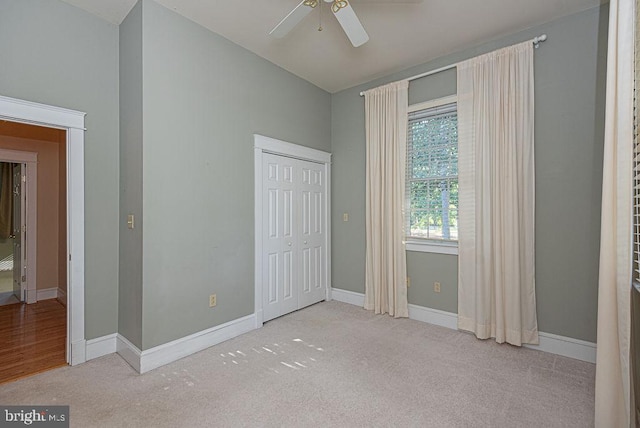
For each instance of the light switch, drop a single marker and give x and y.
(345, 217)
(130, 221)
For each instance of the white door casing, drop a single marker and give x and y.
(309, 240)
(73, 122)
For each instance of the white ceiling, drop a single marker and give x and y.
(402, 33)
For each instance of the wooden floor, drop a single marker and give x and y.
(32, 338)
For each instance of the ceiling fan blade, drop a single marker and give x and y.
(351, 25)
(291, 20)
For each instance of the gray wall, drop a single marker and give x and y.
(56, 54)
(570, 88)
(204, 98)
(130, 286)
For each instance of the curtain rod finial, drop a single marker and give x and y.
(538, 40)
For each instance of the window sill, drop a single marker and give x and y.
(432, 247)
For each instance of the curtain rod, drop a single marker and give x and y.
(536, 42)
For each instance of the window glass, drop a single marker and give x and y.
(432, 173)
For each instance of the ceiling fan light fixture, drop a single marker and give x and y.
(342, 11)
(338, 4)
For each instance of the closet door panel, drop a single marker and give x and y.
(312, 239)
(279, 243)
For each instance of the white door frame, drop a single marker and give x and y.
(73, 122)
(30, 159)
(262, 145)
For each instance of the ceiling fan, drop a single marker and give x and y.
(341, 9)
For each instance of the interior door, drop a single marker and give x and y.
(279, 255)
(293, 242)
(18, 233)
(311, 234)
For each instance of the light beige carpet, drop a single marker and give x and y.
(332, 365)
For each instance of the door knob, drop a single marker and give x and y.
(289, 244)
(305, 242)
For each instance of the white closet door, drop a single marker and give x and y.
(311, 236)
(279, 276)
(294, 250)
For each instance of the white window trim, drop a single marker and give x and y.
(434, 247)
(433, 103)
(431, 246)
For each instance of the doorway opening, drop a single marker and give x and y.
(33, 248)
(72, 122)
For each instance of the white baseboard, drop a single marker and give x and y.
(128, 351)
(346, 296)
(188, 345)
(32, 296)
(144, 361)
(566, 346)
(551, 343)
(433, 316)
(101, 346)
(6, 294)
(78, 352)
(47, 293)
(62, 297)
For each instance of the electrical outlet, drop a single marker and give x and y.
(345, 217)
(408, 281)
(436, 287)
(212, 300)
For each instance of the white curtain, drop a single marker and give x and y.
(613, 378)
(496, 285)
(386, 141)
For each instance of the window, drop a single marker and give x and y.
(432, 172)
